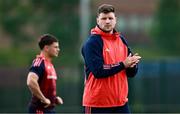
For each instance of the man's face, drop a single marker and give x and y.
(106, 21)
(53, 49)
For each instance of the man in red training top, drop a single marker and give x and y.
(108, 63)
(42, 77)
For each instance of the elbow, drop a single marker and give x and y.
(28, 83)
(131, 73)
(97, 74)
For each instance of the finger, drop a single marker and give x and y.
(132, 65)
(137, 62)
(130, 55)
(46, 106)
(136, 54)
(137, 57)
(134, 59)
(60, 100)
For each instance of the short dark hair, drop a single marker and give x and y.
(46, 39)
(105, 8)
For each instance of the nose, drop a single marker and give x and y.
(107, 20)
(58, 49)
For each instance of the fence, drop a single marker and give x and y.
(154, 89)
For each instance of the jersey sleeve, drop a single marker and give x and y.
(92, 53)
(38, 67)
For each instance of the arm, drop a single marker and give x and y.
(92, 53)
(35, 75)
(32, 83)
(131, 71)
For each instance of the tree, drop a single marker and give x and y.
(167, 26)
(25, 20)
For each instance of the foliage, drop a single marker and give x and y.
(16, 57)
(166, 28)
(25, 21)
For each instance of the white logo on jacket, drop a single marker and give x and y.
(51, 77)
(108, 50)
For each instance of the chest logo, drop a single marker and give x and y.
(107, 50)
(49, 67)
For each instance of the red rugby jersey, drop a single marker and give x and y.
(47, 79)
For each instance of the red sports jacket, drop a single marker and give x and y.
(106, 82)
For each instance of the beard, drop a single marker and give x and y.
(106, 28)
(107, 31)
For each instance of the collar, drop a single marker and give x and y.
(98, 31)
(41, 55)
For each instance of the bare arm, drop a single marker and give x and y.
(32, 83)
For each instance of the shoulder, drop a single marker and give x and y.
(93, 43)
(38, 66)
(123, 39)
(37, 62)
(94, 39)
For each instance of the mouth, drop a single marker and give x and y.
(57, 53)
(107, 26)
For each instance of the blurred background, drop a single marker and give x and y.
(151, 27)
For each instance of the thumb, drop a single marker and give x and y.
(136, 54)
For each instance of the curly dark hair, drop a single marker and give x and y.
(46, 39)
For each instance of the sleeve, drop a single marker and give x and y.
(92, 53)
(130, 72)
(38, 67)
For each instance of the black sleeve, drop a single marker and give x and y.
(93, 56)
(38, 68)
(131, 72)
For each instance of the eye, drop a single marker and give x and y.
(104, 18)
(110, 18)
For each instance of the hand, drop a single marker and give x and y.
(131, 61)
(47, 102)
(59, 100)
(136, 59)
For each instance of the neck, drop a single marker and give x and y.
(46, 56)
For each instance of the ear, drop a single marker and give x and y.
(46, 48)
(97, 20)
